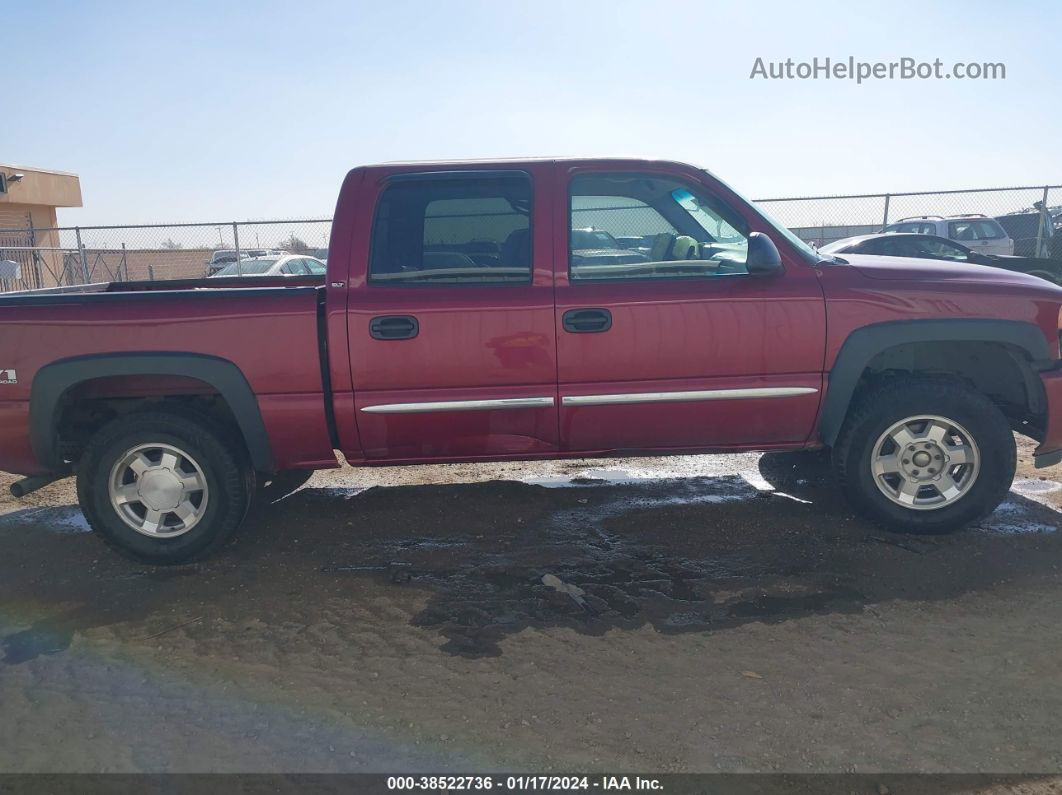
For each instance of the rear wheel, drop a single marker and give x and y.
(925, 455)
(164, 487)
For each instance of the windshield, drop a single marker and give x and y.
(810, 254)
(248, 267)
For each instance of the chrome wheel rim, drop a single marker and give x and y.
(925, 462)
(158, 490)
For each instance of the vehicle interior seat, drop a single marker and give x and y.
(684, 247)
(516, 250)
(660, 250)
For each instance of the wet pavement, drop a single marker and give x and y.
(425, 575)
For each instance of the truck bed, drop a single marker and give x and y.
(214, 284)
(270, 328)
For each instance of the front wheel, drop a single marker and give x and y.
(925, 455)
(164, 487)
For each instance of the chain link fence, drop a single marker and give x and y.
(824, 219)
(36, 258)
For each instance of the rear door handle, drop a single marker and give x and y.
(587, 321)
(394, 327)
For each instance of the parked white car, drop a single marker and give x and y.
(287, 265)
(977, 232)
(224, 256)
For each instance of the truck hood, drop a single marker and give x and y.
(929, 270)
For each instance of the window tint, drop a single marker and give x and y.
(631, 226)
(247, 267)
(295, 267)
(942, 249)
(975, 230)
(914, 227)
(989, 230)
(884, 246)
(908, 247)
(453, 231)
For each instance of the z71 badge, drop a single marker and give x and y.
(8, 377)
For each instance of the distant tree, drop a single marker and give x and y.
(293, 243)
(171, 244)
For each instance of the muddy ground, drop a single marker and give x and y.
(733, 616)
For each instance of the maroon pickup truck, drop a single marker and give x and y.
(530, 309)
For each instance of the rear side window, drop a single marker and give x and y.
(917, 228)
(453, 230)
(975, 230)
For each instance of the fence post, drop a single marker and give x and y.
(81, 254)
(885, 220)
(33, 277)
(1042, 230)
(236, 243)
(123, 265)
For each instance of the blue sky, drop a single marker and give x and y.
(197, 111)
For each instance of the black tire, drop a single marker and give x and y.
(225, 467)
(895, 400)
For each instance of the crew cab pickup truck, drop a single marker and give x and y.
(455, 324)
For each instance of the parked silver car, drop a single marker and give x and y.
(286, 265)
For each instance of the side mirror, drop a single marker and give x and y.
(763, 257)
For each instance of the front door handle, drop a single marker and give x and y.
(394, 327)
(587, 321)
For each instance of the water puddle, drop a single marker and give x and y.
(62, 519)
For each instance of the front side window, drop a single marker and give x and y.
(883, 246)
(942, 249)
(634, 226)
(453, 230)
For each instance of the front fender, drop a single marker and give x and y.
(865, 343)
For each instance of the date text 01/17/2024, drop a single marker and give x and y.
(522, 783)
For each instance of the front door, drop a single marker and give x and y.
(450, 319)
(664, 339)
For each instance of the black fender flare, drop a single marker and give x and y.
(54, 380)
(866, 342)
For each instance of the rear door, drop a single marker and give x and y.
(665, 341)
(450, 315)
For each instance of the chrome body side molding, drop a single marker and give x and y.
(460, 405)
(668, 397)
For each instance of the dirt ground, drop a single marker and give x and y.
(733, 616)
